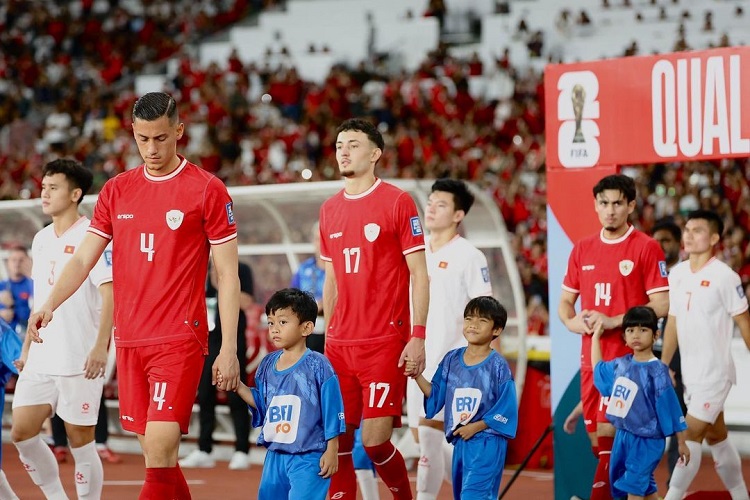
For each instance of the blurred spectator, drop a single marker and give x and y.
(15, 303)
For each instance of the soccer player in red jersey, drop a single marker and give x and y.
(163, 219)
(612, 271)
(373, 248)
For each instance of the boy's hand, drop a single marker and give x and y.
(329, 462)
(410, 367)
(598, 328)
(467, 431)
(684, 453)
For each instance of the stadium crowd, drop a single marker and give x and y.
(64, 92)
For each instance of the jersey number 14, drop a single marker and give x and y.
(603, 293)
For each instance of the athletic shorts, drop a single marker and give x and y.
(158, 383)
(632, 464)
(705, 403)
(292, 475)
(594, 405)
(73, 397)
(478, 466)
(415, 402)
(372, 384)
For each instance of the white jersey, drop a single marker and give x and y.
(458, 272)
(71, 334)
(703, 304)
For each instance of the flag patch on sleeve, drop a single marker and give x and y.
(416, 226)
(230, 213)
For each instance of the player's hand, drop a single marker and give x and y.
(684, 452)
(579, 324)
(598, 328)
(571, 422)
(228, 366)
(329, 462)
(37, 320)
(95, 363)
(414, 350)
(593, 317)
(467, 431)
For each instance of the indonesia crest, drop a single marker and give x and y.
(174, 219)
(372, 231)
(626, 267)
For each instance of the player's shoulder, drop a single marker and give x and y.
(642, 239)
(467, 248)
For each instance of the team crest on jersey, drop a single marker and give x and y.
(626, 267)
(372, 231)
(174, 219)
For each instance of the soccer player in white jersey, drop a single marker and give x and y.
(458, 272)
(706, 300)
(65, 374)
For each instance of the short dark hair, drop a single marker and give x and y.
(715, 223)
(77, 175)
(668, 225)
(364, 126)
(616, 182)
(489, 308)
(463, 199)
(154, 105)
(301, 303)
(642, 316)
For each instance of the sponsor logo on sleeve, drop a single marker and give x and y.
(230, 213)
(108, 258)
(663, 268)
(486, 274)
(740, 291)
(416, 226)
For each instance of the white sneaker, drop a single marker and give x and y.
(239, 461)
(199, 459)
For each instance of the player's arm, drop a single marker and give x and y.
(742, 321)
(75, 271)
(330, 293)
(669, 345)
(573, 321)
(97, 358)
(228, 291)
(659, 302)
(420, 299)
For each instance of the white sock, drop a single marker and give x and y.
(89, 473)
(40, 463)
(729, 467)
(683, 475)
(368, 484)
(6, 492)
(431, 468)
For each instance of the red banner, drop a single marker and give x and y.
(672, 107)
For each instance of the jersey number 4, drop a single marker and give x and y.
(603, 293)
(147, 245)
(351, 259)
(160, 390)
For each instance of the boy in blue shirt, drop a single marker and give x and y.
(476, 386)
(297, 400)
(642, 406)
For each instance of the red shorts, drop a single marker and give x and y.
(158, 383)
(372, 384)
(594, 405)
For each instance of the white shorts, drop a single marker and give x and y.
(705, 403)
(415, 402)
(74, 397)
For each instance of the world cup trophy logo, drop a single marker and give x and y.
(578, 96)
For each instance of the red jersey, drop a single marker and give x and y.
(367, 237)
(611, 276)
(162, 229)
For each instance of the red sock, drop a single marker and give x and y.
(182, 491)
(391, 468)
(601, 489)
(159, 484)
(344, 482)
